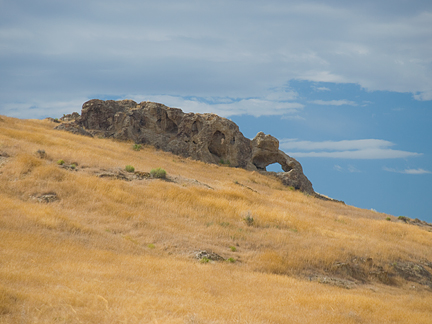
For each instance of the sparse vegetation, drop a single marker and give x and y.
(158, 173)
(248, 218)
(151, 246)
(129, 168)
(137, 147)
(60, 162)
(41, 154)
(86, 258)
(233, 248)
(403, 218)
(223, 162)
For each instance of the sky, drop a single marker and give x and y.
(346, 86)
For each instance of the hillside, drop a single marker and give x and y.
(87, 242)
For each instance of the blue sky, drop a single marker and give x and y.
(346, 86)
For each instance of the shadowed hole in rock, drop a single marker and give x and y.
(196, 128)
(166, 124)
(217, 145)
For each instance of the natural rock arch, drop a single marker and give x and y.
(206, 137)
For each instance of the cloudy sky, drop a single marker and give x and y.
(346, 86)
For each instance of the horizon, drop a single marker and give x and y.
(346, 87)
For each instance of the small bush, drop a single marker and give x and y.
(205, 260)
(129, 168)
(388, 218)
(231, 260)
(403, 218)
(73, 166)
(158, 173)
(41, 154)
(60, 162)
(151, 246)
(136, 147)
(224, 162)
(249, 219)
(233, 248)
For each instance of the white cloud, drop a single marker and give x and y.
(293, 117)
(350, 168)
(225, 106)
(347, 149)
(214, 49)
(334, 102)
(42, 109)
(322, 89)
(353, 169)
(423, 96)
(407, 171)
(338, 168)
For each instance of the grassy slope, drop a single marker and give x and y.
(112, 251)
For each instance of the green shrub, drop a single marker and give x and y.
(388, 218)
(60, 162)
(233, 248)
(224, 162)
(73, 166)
(231, 260)
(205, 260)
(129, 168)
(136, 147)
(249, 219)
(151, 246)
(158, 173)
(403, 218)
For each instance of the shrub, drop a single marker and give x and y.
(73, 166)
(388, 218)
(231, 260)
(205, 260)
(403, 218)
(249, 219)
(158, 173)
(233, 248)
(136, 147)
(224, 162)
(129, 168)
(151, 246)
(41, 154)
(60, 162)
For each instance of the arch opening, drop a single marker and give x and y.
(274, 167)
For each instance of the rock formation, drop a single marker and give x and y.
(205, 137)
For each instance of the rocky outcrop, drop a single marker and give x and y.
(205, 137)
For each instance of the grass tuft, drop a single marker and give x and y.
(129, 168)
(158, 173)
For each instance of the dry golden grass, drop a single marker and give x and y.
(111, 251)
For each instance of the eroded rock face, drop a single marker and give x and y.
(265, 151)
(205, 137)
